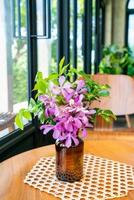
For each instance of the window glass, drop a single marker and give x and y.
(46, 47)
(39, 6)
(13, 62)
(80, 18)
(79, 34)
(131, 4)
(131, 32)
(93, 38)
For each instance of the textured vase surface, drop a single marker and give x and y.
(69, 161)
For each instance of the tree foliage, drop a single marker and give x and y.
(20, 68)
(117, 60)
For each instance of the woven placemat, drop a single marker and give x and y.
(103, 179)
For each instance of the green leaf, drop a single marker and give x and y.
(27, 115)
(73, 70)
(61, 64)
(116, 60)
(37, 95)
(106, 118)
(63, 70)
(106, 86)
(130, 70)
(41, 116)
(32, 106)
(32, 102)
(104, 93)
(39, 76)
(41, 86)
(18, 121)
(52, 76)
(118, 70)
(107, 115)
(82, 73)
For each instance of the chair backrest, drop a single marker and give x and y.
(121, 99)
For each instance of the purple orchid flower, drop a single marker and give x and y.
(71, 118)
(46, 128)
(50, 105)
(64, 88)
(69, 139)
(81, 89)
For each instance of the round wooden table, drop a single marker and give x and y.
(14, 170)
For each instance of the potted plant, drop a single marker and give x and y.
(117, 60)
(63, 109)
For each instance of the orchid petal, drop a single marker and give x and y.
(54, 88)
(56, 134)
(78, 123)
(89, 125)
(80, 84)
(76, 141)
(57, 112)
(68, 126)
(78, 99)
(91, 112)
(46, 128)
(67, 95)
(83, 91)
(84, 132)
(62, 80)
(67, 85)
(68, 142)
(46, 112)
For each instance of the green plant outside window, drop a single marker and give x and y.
(117, 60)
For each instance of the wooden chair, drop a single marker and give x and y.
(121, 99)
(7, 121)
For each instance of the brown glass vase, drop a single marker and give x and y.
(69, 161)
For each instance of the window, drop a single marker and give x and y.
(81, 31)
(130, 24)
(35, 35)
(46, 36)
(13, 61)
(131, 4)
(28, 39)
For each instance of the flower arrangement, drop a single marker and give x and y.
(63, 106)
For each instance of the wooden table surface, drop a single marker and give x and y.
(14, 170)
